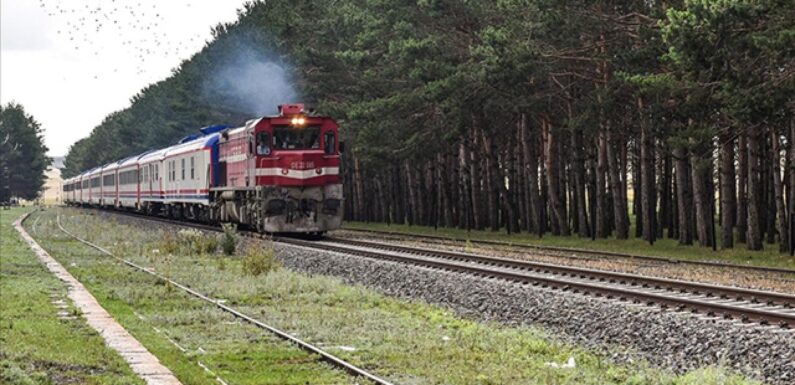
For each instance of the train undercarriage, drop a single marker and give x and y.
(268, 209)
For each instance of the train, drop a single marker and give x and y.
(275, 174)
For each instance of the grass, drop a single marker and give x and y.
(662, 247)
(410, 342)
(37, 346)
(154, 312)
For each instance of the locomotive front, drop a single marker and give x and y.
(281, 174)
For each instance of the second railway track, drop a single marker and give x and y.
(569, 251)
(768, 308)
(746, 305)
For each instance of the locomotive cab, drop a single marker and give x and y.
(282, 173)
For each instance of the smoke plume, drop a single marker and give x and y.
(251, 82)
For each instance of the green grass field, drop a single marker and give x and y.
(409, 342)
(156, 314)
(37, 346)
(663, 247)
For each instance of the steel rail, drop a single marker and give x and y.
(786, 320)
(572, 250)
(761, 316)
(756, 296)
(326, 356)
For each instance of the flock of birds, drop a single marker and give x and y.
(137, 27)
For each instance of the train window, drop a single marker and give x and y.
(330, 143)
(182, 168)
(192, 166)
(263, 144)
(296, 138)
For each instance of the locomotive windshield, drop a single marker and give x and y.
(296, 138)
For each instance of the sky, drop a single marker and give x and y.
(71, 63)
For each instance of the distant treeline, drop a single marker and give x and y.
(525, 115)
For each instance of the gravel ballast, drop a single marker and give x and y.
(676, 341)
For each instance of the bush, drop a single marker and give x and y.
(196, 242)
(169, 245)
(229, 239)
(259, 260)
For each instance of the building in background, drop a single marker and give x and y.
(53, 186)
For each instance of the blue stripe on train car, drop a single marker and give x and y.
(214, 161)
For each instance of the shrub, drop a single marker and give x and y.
(188, 240)
(259, 260)
(196, 242)
(169, 244)
(229, 239)
(209, 245)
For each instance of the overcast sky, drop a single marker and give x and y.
(71, 63)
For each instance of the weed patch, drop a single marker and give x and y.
(229, 238)
(259, 259)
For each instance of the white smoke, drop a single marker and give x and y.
(251, 82)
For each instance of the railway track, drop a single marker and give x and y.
(746, 305)
(306, 346)
(569, 251)
(767, 308)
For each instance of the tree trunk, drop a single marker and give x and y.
(778, 188)
(769, 203)
(702, 195)
(648, 179)
(512, 189)
(601, 200)
(578, 166)
(465, 198)
(754, 231)
(614, 172)
(742, 189)
(728, 203)
(664, 196)
(553, 182)
(493, 193)
(413, 213)
(637, 183)
(360, 212)
(684, 196)
(791, 172)
(476, 178)
(529, 146)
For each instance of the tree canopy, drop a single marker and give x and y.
(23, 155)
